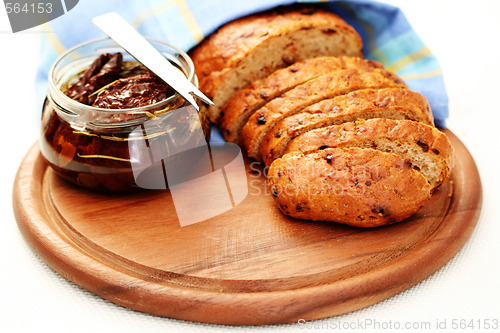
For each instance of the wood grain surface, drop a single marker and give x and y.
(250, 265)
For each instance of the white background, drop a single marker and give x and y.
(464, 37)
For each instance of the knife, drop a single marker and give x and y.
(138, 47)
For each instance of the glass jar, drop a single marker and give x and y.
(116, 149)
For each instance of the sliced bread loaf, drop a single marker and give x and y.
(391, 103)
(253, 47)
(247, 101)
(427, 149)
(358, 187)
(327, 86)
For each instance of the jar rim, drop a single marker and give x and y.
(72, 104)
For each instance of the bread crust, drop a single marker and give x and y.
(391, 103)
(427, 149)
(324, 87)
(247, 101)
(358, 187)
(234, 46)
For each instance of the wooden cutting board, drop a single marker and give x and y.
(250, 265)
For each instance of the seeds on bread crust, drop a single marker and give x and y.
(248, 100)
(427, 149)
(253, 47)
(327, 86)
(354, 186)
(391, 103)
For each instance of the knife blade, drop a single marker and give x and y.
(138, 47)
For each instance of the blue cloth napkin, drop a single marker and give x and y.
(387, 35)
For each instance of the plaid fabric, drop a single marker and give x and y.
(386, 34)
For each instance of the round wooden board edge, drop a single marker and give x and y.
(256, 308)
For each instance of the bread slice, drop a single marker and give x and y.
(247, 101)
(253, 47)
(427, 149)
(358, 187)
(391, 103)
(326, 86)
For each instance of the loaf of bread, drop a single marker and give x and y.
(427, 149)
(391, 103)
(358, 187)
(345, 140)
(253, 47)
(248, 100)
(327, 86)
